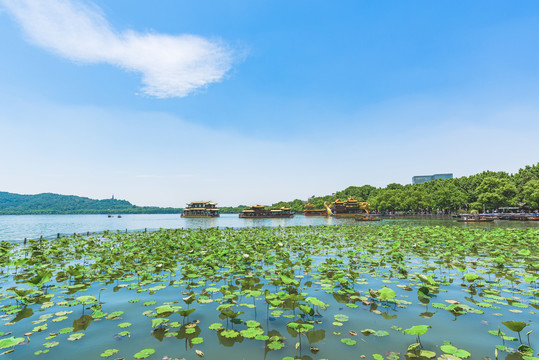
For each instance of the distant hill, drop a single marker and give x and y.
(16, 204)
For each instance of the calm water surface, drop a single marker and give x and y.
(468, 332)
(18, 227)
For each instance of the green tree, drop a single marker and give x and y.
(496, 192)
(530, 194)
(448, 197)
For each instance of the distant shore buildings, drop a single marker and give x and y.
(420, 179)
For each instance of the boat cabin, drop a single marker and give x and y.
(201, 209)
(260, 211)
(309, 210)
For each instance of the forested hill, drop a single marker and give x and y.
(15, 204)
(488, 190)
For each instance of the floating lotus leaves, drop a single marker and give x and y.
(251, 332)
(115, 314)
(471, 277)
(420, 355)
(229, 333)
(10, 342)
(197, 340)
(450, 349)
(448, 357)
(164, 310)
(300, 327)
(66, 330)
(348, 341)
(252, 323)
(40, 328)
(109, 352)
(207, 266)
(525, 350)
(453, 350)
(341, 317)
(143, 354)
(76, 336)
(386, 294)
(51, 344)
(158, 322)
(275, 345)
(215, 326)
(87, 299)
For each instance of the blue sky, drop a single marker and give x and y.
(162, 103)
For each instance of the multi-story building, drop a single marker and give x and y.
(424, 178)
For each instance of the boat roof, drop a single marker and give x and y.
(350, 200)
(200, 209)
(202, 202)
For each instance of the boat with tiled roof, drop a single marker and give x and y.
(309, 210)
(260, 211)
(347, 208)
(199, 209)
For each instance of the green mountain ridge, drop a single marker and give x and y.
(49, 203)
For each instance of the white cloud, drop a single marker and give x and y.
(171, 65)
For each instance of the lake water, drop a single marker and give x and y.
(17, 227)
(132, 278)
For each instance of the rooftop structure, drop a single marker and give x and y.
(424, 178)
(201, 209)
(349, 207)
(260, 211)
(310, 210)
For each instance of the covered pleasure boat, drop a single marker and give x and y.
(198, 209)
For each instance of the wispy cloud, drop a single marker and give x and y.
(171, 65)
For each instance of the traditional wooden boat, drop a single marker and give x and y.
(200, 209)
(474, 219)
(347, 208)
(309, 210)
(368, 218)
(260, 212)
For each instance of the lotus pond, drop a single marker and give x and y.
(318, 292)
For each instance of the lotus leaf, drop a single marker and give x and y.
(516, 326)
(348, 341)
(275, 345)
(386, 293)
(197, 340)
(76, 336)
(109, 352)
(417, 330)
(143, 354)
(10, 342)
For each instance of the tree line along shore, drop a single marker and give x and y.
(484, 191)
